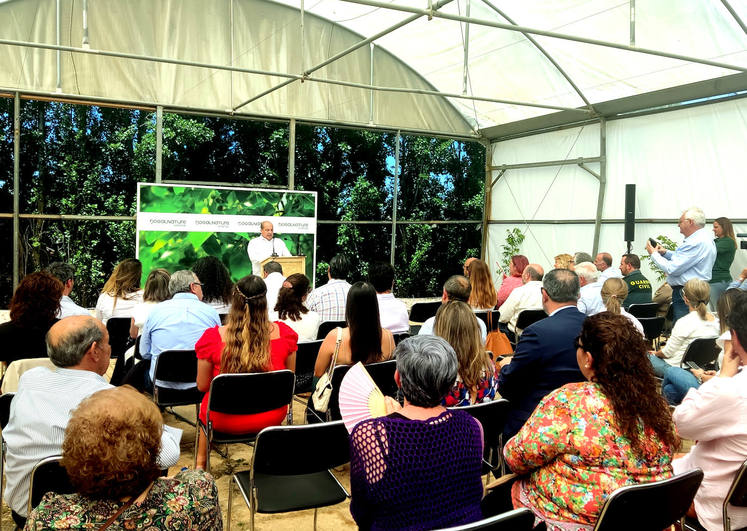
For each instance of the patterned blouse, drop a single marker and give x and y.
(187, 501)
(460, 395)
(575, 457)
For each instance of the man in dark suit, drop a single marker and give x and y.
(545, 358)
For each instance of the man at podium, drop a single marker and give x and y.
(264, 246)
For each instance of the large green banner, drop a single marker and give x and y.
(176, 225)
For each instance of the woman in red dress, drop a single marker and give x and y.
(248, 342)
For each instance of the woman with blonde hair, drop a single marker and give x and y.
(248, 342)
(726, 247)
(483, 295)
(699, 322)
(156, 290)
(476, 381)
(564, 261)
(614, 292)
(121, 292)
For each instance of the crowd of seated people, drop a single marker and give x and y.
(551, 381)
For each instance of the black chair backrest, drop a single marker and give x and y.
(658, 504)
(301, 449)
(528, 317)
(422, 311)
(250, 393)
(305, 361)
(652, 326)
(647, 309)
(702, 351)
(737, 495)
(516, 520)
(119, 334)
(48, 476)
(338, 374)
(327, 326)
(400, 337)
(177, 366)
(5, 400)
(490, 318)
(492, 416)
(382, 373)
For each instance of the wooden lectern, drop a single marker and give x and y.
(291, 264)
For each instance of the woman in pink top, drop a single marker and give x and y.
(513, 280)
(715, 415)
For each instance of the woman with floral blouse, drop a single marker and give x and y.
(587, 439)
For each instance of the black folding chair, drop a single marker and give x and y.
(652, 329)
(243, 394)
(327, 326)
(422, 311)
(737, 496)
(492, 416)
(291, 470)
(490, 318)
(703, 352)
(48, 476)
(516, 520)
(177, 366)
(5, 401)
(119, 335)
(305, 361)
(400, 337)
(650, 506)
(526, 318)
(647, 309)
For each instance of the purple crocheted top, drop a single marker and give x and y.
(414, 474)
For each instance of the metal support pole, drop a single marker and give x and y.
(500, 174)
(487, 200)
(394, 199)
(465, 76)
(159, 143)
(292, 155)
(371, 93)
(542, 164)
(59, 53)
(632, 22)
(602, 183)
(734, 14)
(16, 185)
(85, 43)
(303, 60)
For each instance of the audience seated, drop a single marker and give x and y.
(176, 324)
(590, 298)
(582, 257)
(564, 261)
(156, 290)
(216, 283)
(476, 377)
(526, 297)
(419, 466)
(456, 288)
(79, 347)
(715, 415)
(663, 297)
(603, 263)
(614, 291)
(587, 439)
(514, 278)
(33, 307)
(248, 342)
(65, 273)
(678, 381)
(699, 322)
(292, 311)
(393, 311)
(272, 274)
(639, 288)
(483, 294)
(121, 292)
(362, 340)
(545, 357)
(329, 300)
(109, 452)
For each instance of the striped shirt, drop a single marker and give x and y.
(39, 414)
(329, 300)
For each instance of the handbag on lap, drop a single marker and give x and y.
(323, 391)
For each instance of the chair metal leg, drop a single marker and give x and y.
(315, 511)
(252, 505)
(230, 502)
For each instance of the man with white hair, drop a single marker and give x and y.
(264, 246)
(590, 296)
(693, 259)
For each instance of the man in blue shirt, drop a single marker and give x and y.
(693, 259)
(176, 324)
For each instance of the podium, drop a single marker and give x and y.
(290, 264)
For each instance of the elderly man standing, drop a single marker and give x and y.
(329, 300)
(65, 273)
(693, 259)
(40, 411)
(526, 297)
(545, 357)
(590, 299)
(264, 246)
(176, 324)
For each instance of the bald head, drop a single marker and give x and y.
(79, 342)
(603, 261)
(532, 272)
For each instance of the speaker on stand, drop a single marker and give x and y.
(629, 214)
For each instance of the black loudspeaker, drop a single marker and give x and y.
(629, 212)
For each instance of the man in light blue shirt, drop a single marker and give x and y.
(693, 259)
(176, 324)
(590, 294)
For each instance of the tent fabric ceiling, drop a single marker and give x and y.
(418, 68)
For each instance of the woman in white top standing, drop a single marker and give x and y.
(614, 291)
(699, 322)
(121, 292)
(292, 311)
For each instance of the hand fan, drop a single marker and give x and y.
(359, 397)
